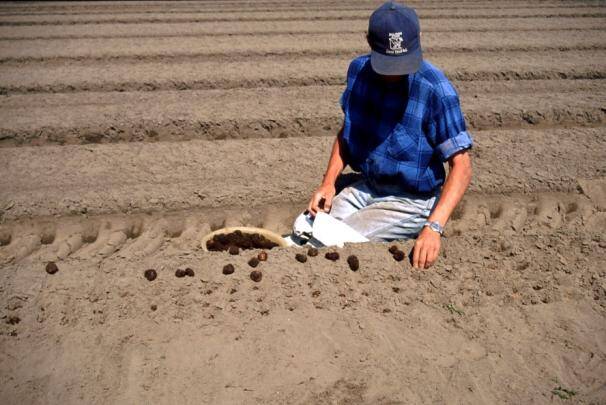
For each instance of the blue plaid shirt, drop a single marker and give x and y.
(402, 133)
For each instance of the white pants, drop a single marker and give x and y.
(382, 213)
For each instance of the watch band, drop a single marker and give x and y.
(434, 226)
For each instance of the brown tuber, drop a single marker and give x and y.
(398, 256)
(150, 274)
(354, 263)
(154, 307)
(51, 268)
(393, 249)
(334, 256)
(302, 258)
(254, 262)
(262, 256)
(189, 272)
(312, 252)
(180, 273)
(228, 269)
(256, 276)
(234, 250)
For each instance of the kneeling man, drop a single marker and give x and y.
(402, 122)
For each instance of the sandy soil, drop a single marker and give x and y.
(130, 130)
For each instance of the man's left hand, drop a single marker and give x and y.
(426, 249)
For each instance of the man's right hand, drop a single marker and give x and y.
(321, 199)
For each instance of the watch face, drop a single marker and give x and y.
(434, 226)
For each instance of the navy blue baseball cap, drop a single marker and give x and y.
(394, 35)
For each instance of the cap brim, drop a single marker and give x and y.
(396, 65)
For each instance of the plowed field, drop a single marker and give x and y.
(129, 130)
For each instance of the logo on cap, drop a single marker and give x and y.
(395, 43)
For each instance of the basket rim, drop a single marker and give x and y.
(272, 236)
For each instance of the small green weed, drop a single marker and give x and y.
(453, 309)
(563, 393)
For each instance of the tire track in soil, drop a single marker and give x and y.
(140, 235)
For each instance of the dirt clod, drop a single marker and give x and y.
(228, 269)
(256, 276)
(254, 262)
(354, 262)
(239, 239)
(334, 256)
(234, 250)
(189, 272)
(51, 268)
(180, 273)
(262, 256)
(150, 274)
(301, 257)
(398, 255)
(312, 252)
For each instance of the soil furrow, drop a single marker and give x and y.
(587, 30)
(171, 85)
(276, 112)
(197, 174)
(295, 26)
(184, 5)
(259, 6)
(283, 8)
(283, 72)
(595, 12)
(350, 52)
(329, 43)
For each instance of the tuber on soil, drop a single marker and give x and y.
(51, 268)
(150, 274)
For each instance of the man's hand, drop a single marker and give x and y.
(426, 249)
(321, 200)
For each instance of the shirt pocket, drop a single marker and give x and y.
(403, 144)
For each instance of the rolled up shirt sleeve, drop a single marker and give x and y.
(451, 135)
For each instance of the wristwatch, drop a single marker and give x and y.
(434, 226)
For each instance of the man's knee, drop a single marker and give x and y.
(342, 206)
